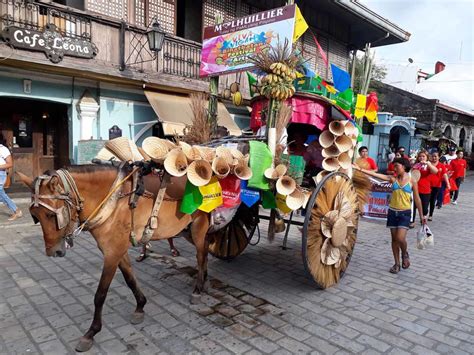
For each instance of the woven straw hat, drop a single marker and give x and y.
(220, 167)
(318, 178)
(207, 153)
(330, 164)
(344, 160)
(285, 185)
(332, 151)
(192, 153)
(199, 172)
(155, 148)
(137, 156)
(339, 232)
(295, 200)
(351, 130)
(242, 170)
(236, 154)
(106, 155)
(120, 147)
(224, 152)
(326, 139)
(337, 127)
(276, 173)
(344, 143)
(176, 163)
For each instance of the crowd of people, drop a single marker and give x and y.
(421, 184)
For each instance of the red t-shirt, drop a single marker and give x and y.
(424, 184)
(437, 179)
(459, 167)
(372, 164)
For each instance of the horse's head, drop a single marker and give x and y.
(55, 208)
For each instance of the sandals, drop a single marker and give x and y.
(405, 261)
(395, 269)
(412, 225)
(430, 218)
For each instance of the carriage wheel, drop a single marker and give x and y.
(330, 229)
(230, 241)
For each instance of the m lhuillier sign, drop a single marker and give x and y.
(50, 41)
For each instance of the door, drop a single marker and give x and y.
(383, 151)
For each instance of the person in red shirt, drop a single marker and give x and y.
(459, 166)
(424, 166)
(365, 161)
(391, 165)
(436, 182)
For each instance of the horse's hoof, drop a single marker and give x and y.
(137, 317)
(84, 344)
(195, 298)
(141, 257)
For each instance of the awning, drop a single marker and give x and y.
(174, 111)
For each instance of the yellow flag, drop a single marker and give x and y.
(371, 115)
(281, 203)
(300, 25)
(360, 106)
(331, 89)
(211, 195)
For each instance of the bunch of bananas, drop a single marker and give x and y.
(279, 83)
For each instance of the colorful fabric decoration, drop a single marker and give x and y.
(268, 200)
(211, 195)
(281, 203)
(320, 49)
(344, 99)
(252, 84)
(192, 199)
(340, 78)
(372, 106)
(360, 106)
(230, 191)
(300, 25)
(248, 196)
(260, 160)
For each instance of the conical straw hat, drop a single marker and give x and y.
(285, 185)
(137, 156)
(326, 139)
(307, 196)
(192, 153)
(171, 145)
(339, 232)
(207, 153)
(121, 148)
(155, 148)
(224, 152)
(332, 151)
(145, 156)
(344, 160)
(276, 173)
(220, 167)
(336, 127)
(199, 172)
(318, 178)
(236, 154)
(344, 143)
(295, 200)
(330, 164)
(176, 162)
(351, 130)
(242, 171)
(106, 155)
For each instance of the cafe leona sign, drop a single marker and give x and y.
(50, 41)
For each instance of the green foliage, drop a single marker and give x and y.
(378, 73)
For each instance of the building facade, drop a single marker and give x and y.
(74, 71)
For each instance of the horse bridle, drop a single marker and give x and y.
(71, 197)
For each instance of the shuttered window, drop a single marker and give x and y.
(225, 8)
(112, 8)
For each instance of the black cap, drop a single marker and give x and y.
(452, 149)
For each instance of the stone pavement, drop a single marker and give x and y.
(262, 302)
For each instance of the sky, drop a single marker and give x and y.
(440, 30)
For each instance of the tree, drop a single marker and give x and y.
(378, 73)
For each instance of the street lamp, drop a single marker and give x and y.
(156, 37)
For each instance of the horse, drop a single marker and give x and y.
(65, 197)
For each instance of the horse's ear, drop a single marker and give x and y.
(53, 183)
(26, 180)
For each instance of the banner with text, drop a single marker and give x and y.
(226, 47)
(379, 198)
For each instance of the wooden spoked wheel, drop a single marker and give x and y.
(330, 229)
(230, 241)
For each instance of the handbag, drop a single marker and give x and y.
(8, 180)
(424, 238)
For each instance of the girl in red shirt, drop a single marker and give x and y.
(424, 166)
(459, 166)
(436, 181)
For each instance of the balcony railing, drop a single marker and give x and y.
(181, 57)
(36, 16)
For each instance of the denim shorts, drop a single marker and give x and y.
(398, 219)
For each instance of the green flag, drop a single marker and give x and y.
(344, 99)
(268, 199)
(192, 199)
(252, 84)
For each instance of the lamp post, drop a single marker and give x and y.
(156, 37)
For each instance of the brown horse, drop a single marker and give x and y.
(58, 206)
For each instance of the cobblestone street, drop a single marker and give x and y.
(262, 302)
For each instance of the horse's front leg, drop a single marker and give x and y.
(199, 230)
(108, 272)
(126, 269)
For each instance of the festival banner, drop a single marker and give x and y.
(379, 198)
(226, 47)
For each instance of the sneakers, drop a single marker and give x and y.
(454, 202)
(16, 215)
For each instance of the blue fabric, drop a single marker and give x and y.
(406, 187)
(398, 219)
(340, 78)
(3, 195)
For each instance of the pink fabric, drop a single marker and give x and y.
(309, 112)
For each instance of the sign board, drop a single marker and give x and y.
(115, 132)
(379, 199)
(227, 46)
(50, 41)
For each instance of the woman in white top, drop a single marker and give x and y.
(6, 162)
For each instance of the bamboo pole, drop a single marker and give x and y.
(213, 94)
